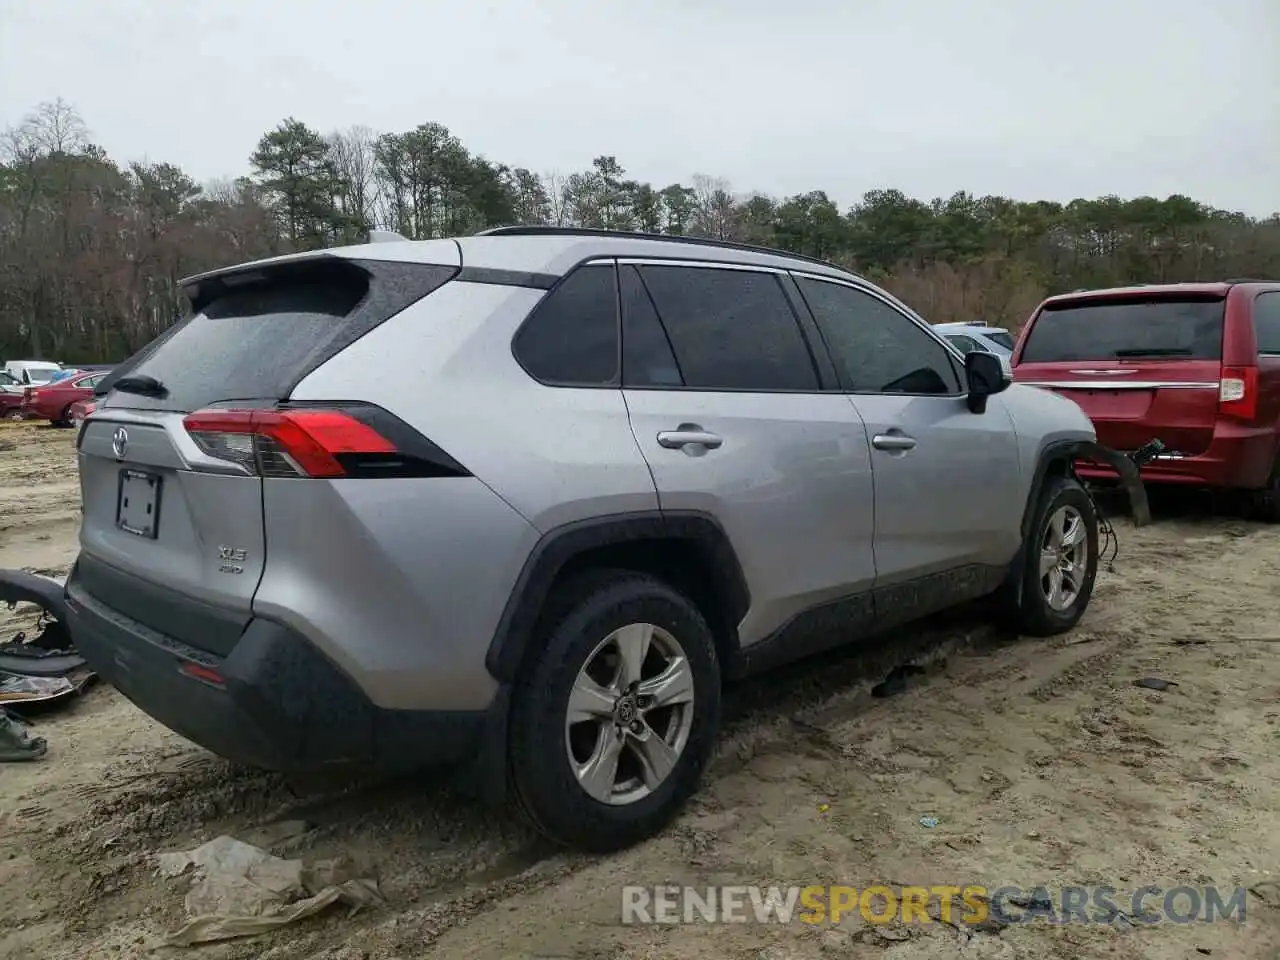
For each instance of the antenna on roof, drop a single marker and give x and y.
(385, 236)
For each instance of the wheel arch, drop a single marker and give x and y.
(688, 549)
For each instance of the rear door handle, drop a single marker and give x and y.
(686, 435)
(893, 441)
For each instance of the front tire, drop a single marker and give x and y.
(1060, 561)
(615, 720)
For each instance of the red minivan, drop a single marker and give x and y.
(1193, 365)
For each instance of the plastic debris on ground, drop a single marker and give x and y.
(14, 688)
(241, 890)
(43, 648)
(929, 822)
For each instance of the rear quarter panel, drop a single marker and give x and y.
(429, 564)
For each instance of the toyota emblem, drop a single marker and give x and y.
(120, 441)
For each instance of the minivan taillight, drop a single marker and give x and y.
(1238, 392)
(286, 443)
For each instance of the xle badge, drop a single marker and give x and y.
(230, 559)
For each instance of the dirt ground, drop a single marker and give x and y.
(1042, 763)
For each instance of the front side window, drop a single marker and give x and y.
(877, 348)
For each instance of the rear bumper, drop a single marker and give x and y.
(279, 704)
(1239, 456)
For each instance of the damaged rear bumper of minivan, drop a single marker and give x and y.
(275, 702)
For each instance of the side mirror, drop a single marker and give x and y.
(985, 376)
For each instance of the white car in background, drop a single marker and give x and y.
(32, 373)
(968, 337)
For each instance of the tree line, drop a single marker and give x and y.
(91, 252)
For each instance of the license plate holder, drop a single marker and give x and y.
(138, 503)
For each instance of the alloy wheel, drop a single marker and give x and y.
(1064, 557)
(629, 715)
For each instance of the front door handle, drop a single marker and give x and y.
(893, 441)
(688, 434)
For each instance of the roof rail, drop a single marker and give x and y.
(1247, 280)
(541, 231)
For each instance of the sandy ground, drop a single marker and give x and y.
(1042, 763)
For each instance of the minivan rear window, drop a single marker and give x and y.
(1156, 329)
(253, 341)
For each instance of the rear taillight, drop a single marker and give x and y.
(1238, 392)
(287, 443)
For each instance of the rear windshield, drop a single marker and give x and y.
(251, 343)
(1127, 330)
(999, 336)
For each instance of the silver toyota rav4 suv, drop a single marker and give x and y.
(526, 500)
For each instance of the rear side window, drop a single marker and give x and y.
(571, 338)
(731, 329)
(999, 336)
(1126, 330)
(962, 343)
(647, 357)
(252, 337)
(1266, 322)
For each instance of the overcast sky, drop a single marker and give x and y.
(1030, 99)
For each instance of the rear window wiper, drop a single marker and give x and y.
(142, 384)
(1155, 352)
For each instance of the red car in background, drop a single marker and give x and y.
(1193, 365)
(53, 401)
(81, 409)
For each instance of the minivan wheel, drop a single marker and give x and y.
(615, 720)
(1061, 560)
(1264, 504)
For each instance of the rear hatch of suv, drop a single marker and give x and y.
(172, 461)
(1142, 364)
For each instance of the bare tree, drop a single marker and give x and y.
(557, 198)
(57, 128)
(353, 152)
(714, 208)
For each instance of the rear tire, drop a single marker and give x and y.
(1264, 504)
(1060, 561)
(595, 778)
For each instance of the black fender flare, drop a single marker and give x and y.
(560, 545)
(1066, 452)
(18, 586)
